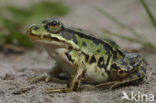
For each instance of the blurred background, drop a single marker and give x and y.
(126, 20)
(131, 23)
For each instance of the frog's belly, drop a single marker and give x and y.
(95, 75)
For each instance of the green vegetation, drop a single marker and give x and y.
(139, 38)
(149, 13)
(118, 22)
(15, 20)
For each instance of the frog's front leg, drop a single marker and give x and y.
(74, 82)
(50, 75)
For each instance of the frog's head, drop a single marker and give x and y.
(51, 31)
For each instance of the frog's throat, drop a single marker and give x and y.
(52, 40)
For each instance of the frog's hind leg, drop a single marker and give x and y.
(132, 71)
(133, 79)
(106, 85)
(129, 81)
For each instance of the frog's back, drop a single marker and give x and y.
(92, 45)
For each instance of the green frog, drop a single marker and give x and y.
(84, 58)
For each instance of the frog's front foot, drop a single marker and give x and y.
(44, 77)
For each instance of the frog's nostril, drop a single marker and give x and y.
(34, 27)
(31, 26)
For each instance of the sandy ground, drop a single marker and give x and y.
(15, 68)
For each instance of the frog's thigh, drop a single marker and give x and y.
(47, 76)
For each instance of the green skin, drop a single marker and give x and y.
(85, 59)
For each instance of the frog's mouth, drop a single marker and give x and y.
(47, 39)
(32, 36)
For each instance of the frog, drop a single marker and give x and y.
(84, 59)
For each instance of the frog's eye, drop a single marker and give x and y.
(54, 26)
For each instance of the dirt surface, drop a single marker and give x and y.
(15, 68)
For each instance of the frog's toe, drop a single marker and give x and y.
(88, 87)
(118, 85)
(35, 79)
(54, 90)
(48, 78)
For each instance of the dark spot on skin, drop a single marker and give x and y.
(69, 56)
(114, 66)
(86, 58)
(84, 43)
(96, 42)
(115, 55)
(74, 39)
(143, 69)
(132, 63)
(128, 68)
(98, 50)
(56, 39)
(66, 35)
(108, 60)
(83, 73)
(138, 75)
(101, 62)
(70, 47)
(36, 28)
(72, 35)
(92, 60)
(135, 64)
(120, 52)
(121, 72)
(108, 48)
(103, 74)
(123, 62)
(69, 36)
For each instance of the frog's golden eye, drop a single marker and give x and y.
(54, 26)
